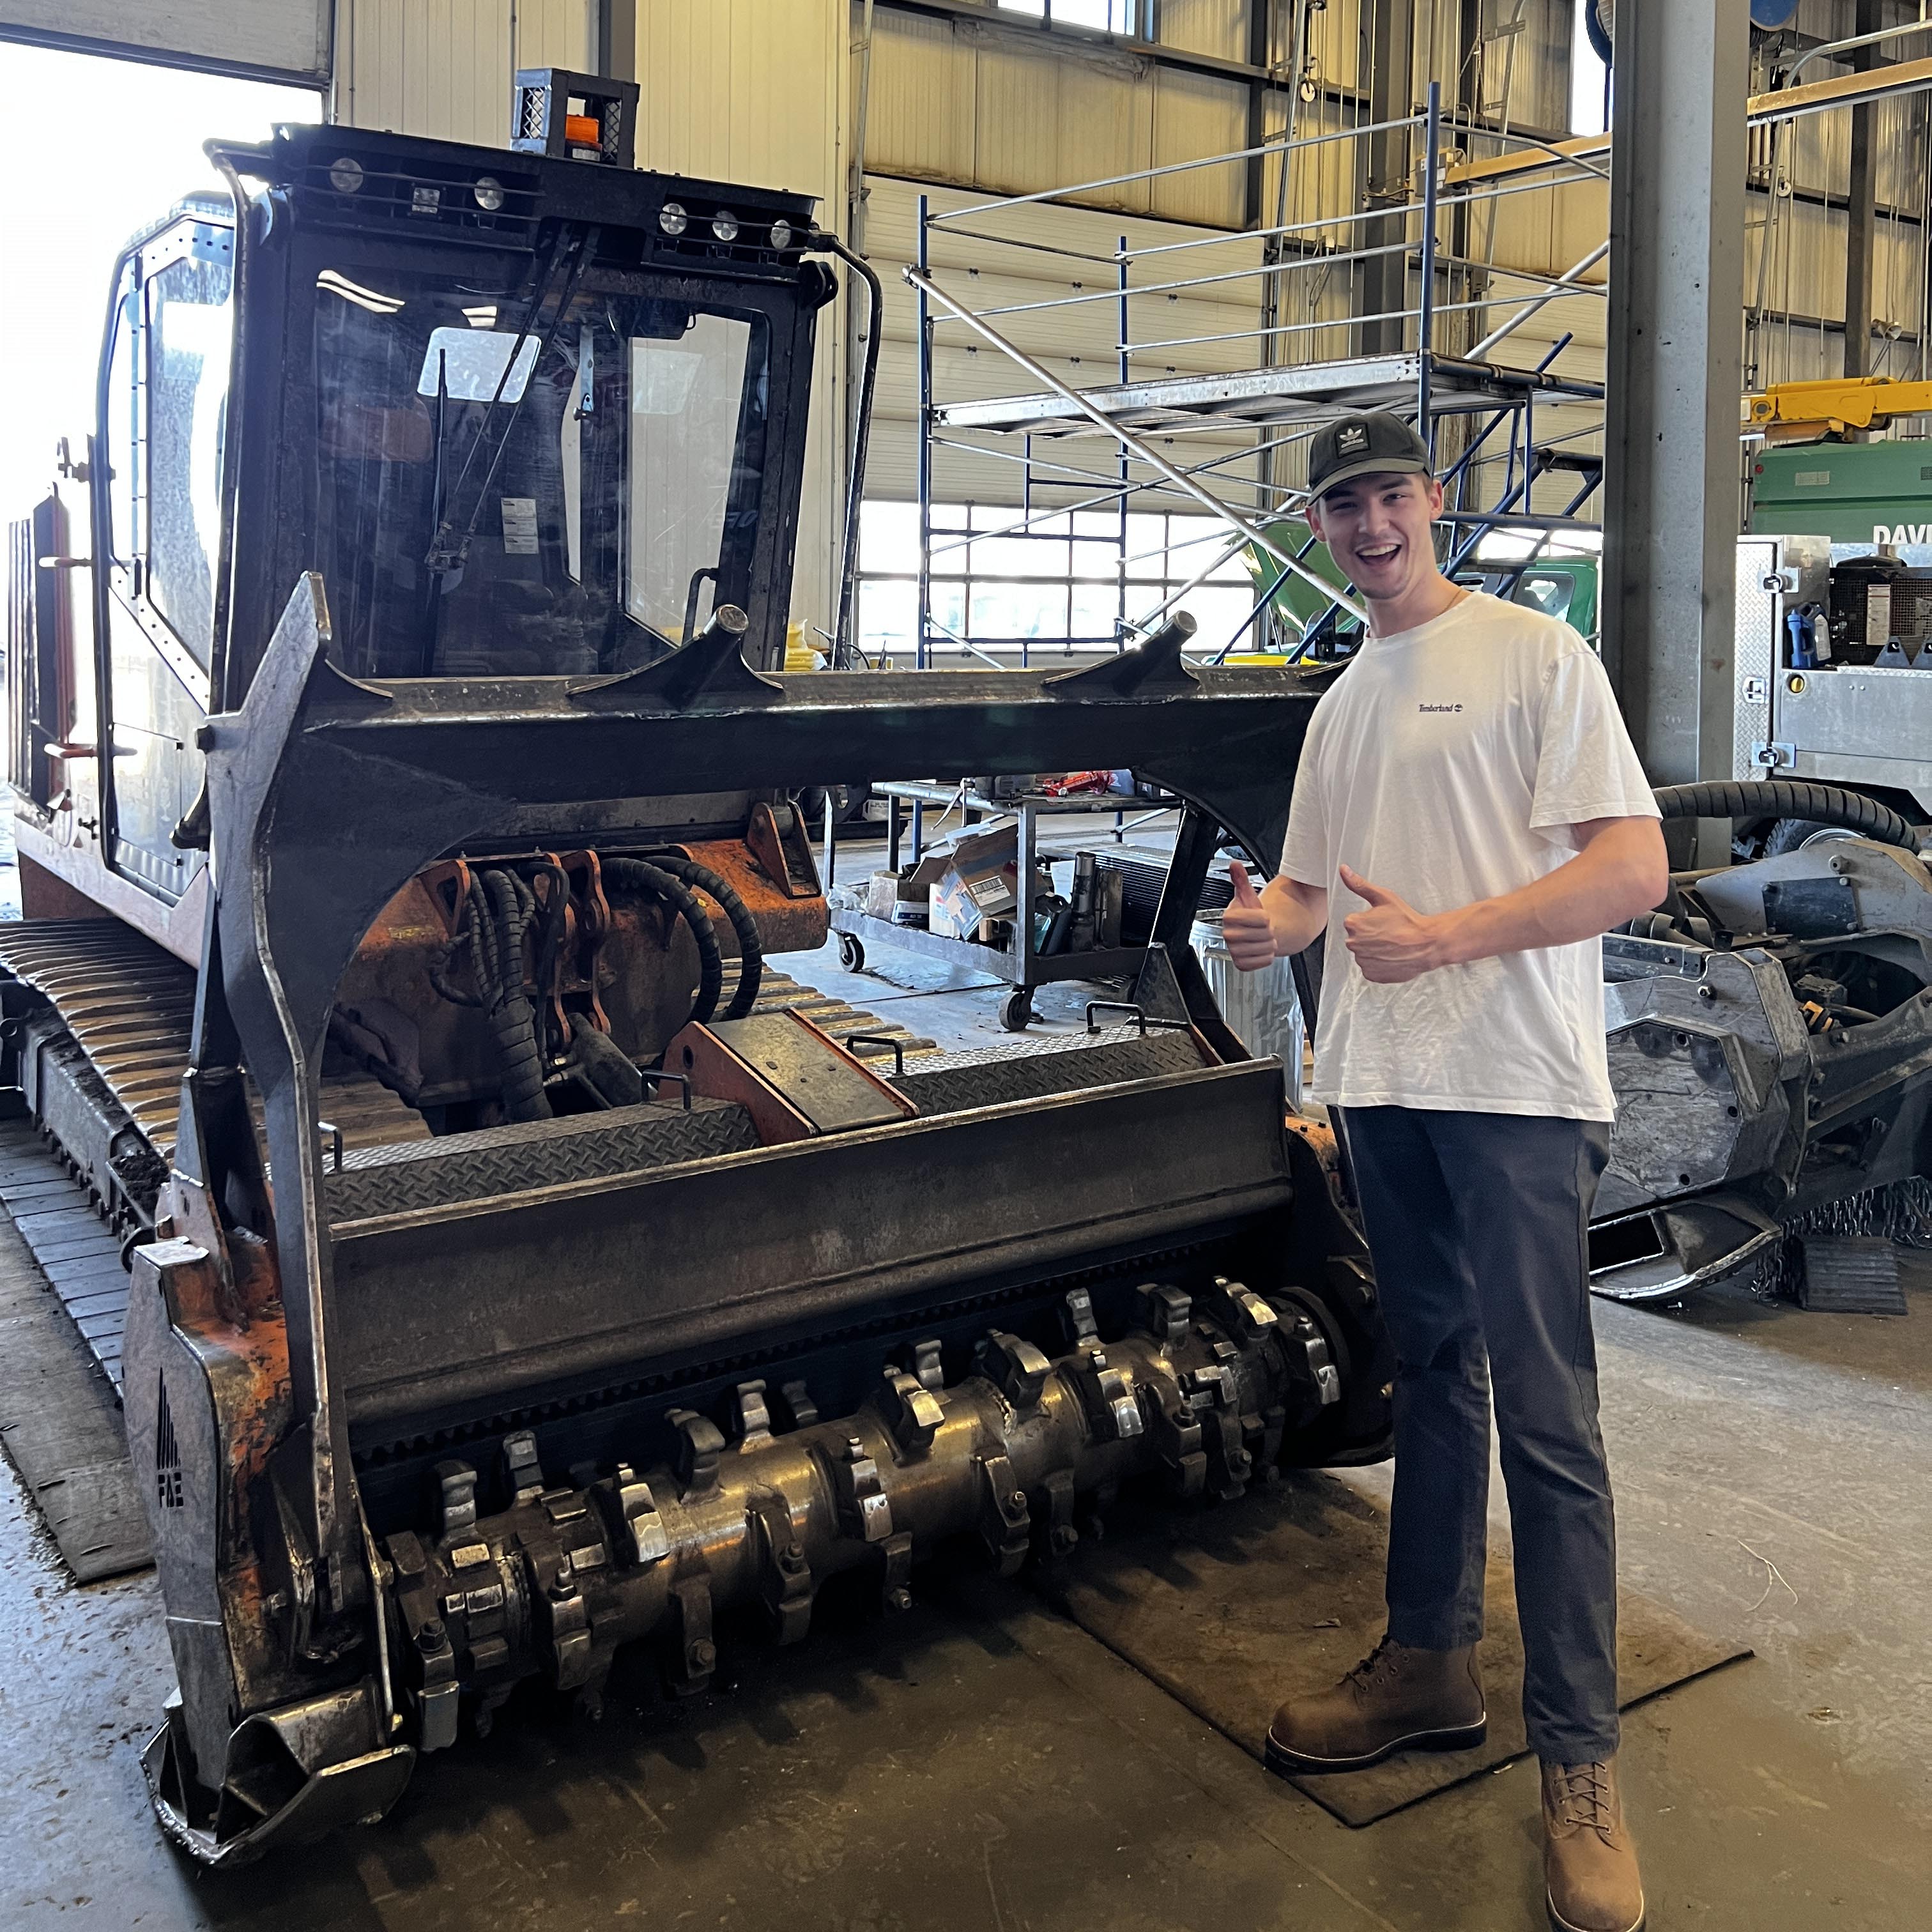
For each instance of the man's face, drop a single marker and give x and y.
(1377, 529)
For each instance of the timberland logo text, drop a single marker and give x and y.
(1439, 707)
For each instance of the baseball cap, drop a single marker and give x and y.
(1371, 444)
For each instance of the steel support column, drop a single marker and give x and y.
(1674, 366)
(1860, 211)
(1261, 33)
(1391, 46)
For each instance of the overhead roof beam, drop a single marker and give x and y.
(1847, 90)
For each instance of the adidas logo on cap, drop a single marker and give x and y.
(1351, 439)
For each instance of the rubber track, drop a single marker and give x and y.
(1788, 798)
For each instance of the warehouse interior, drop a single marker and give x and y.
(660, 1261)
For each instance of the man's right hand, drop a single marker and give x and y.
(1246, 929)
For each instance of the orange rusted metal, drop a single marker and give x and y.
(1319, 1139)
(786, 922)
(781, 847)
(716, 1073)
(631, 968)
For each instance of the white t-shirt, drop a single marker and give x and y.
(1448, 763)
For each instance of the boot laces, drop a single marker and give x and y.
(1381, 1663)
(1583, 1797)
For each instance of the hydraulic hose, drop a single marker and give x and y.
(643, 875)
(499, 912)
(512, 1017)
(751, 948)
(1788, 798)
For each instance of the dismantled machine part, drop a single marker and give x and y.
(1770, 1040)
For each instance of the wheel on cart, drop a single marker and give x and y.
(1016, 1012)
(851, 952)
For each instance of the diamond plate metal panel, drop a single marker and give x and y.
(418, 1174)
(995, 1076)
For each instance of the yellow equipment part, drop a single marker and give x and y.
(1808, 412)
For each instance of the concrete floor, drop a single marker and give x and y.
(983, 1763)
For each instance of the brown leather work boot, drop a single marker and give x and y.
(1396, 1698)
(1589, 1863)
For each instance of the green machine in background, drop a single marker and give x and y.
(1847, 492)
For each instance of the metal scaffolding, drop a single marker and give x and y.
(1316, 350)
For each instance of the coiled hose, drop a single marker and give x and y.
(645, 875)
(497, 912)
(750, 949)
(1788, 798)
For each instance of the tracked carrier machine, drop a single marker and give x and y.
(515, 1276)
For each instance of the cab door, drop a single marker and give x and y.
(162, 444)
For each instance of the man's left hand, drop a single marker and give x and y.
(1391, 942)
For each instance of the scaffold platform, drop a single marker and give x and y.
(1305, 394)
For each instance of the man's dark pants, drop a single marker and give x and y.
(1478, 1224)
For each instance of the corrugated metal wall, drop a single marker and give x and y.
(441, 67)
(756, 91)
(1077, 342)
(966, 105)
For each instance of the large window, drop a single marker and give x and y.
(506, 493)
(1108, 17)
(1055, 592)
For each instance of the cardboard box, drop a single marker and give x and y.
(902, 896)
(950, 910)
(962, 906)
(985, 862)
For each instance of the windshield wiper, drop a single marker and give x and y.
(450, 548)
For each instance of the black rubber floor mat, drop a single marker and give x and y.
(1236, 1608)
(61, 1424)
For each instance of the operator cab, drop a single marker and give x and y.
(526, 417)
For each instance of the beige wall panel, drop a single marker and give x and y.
(1322, 178)
(1194, 117)
(441, 68)
(556, 33)
(1216, 27)
(1042, 121)
(1581, 220)
(919, 117)
(1533, 65)
(1898, 285)
(1518, 231)
(1087, 331)
(755, 90)
(1334, 34)
(290, 38)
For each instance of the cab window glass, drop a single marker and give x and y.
(190, 333)
(1549, 594)
(686, 397)
(502, 493)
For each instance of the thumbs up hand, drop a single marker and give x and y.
(1245, 926)
(1391, 941)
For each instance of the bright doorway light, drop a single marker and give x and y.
(1589, 77)
(94, 149)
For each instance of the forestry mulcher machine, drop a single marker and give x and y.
(503, 1294)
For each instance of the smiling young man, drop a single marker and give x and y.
(1469, 817)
